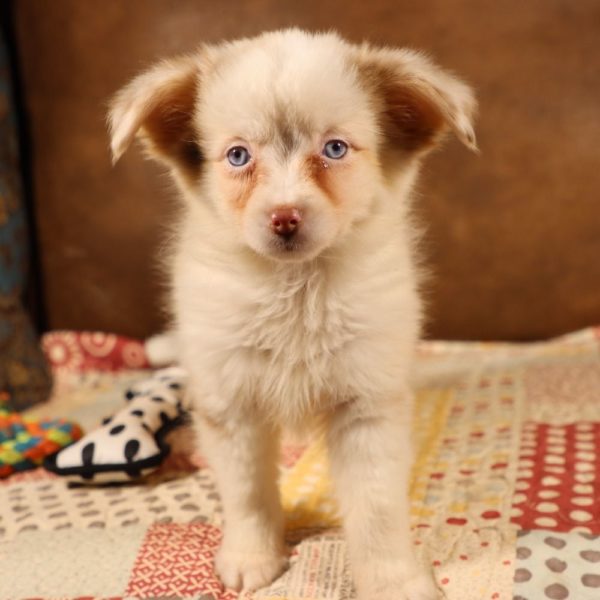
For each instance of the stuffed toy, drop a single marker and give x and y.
(131, 443)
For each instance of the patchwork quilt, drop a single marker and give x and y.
(505, 490)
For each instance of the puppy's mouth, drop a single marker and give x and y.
(291, 247)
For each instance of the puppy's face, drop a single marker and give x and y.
(290, 136)
(291, 146)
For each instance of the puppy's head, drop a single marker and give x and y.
(290, 136)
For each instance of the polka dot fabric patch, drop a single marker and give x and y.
(558, 485)
(556, 566)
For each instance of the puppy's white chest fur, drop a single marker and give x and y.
(292, 340)
(297, 321)
(296, 334)
(270, 343)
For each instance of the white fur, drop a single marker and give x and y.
(161, 349)
(324, 334)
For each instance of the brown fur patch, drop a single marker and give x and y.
(412, 120)
(288, 129)
(169, 130)
(409, 118)
(285, 133)
(245, 184)
(320, 171)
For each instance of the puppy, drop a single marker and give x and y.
(294, 287)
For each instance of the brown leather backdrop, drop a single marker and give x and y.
(513, 235)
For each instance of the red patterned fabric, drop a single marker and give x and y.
(87, 351)
(559, 468)
(177, 560)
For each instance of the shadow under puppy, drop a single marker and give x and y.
(294, 287)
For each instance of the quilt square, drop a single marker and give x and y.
(558, 484)
(177, 560)
(69, 563)
(555, 566)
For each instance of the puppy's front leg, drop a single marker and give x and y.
(370, 455)
(244, 455)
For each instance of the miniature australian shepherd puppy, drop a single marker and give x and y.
(294, 286)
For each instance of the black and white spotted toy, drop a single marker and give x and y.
(131, 443)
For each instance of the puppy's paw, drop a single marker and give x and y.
(420, 587)
(248, 571)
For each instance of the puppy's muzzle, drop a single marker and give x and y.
(285, 222)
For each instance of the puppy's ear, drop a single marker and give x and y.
(158, 106)
(417, 101)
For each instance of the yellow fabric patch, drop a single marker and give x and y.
(306, 489)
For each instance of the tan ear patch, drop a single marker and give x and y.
(410, 120)
(417, 101)
(169, 128)
(159, 105)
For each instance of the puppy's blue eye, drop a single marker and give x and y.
(335, 149)
(238, 156)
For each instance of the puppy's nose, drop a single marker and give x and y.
(285, 221)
